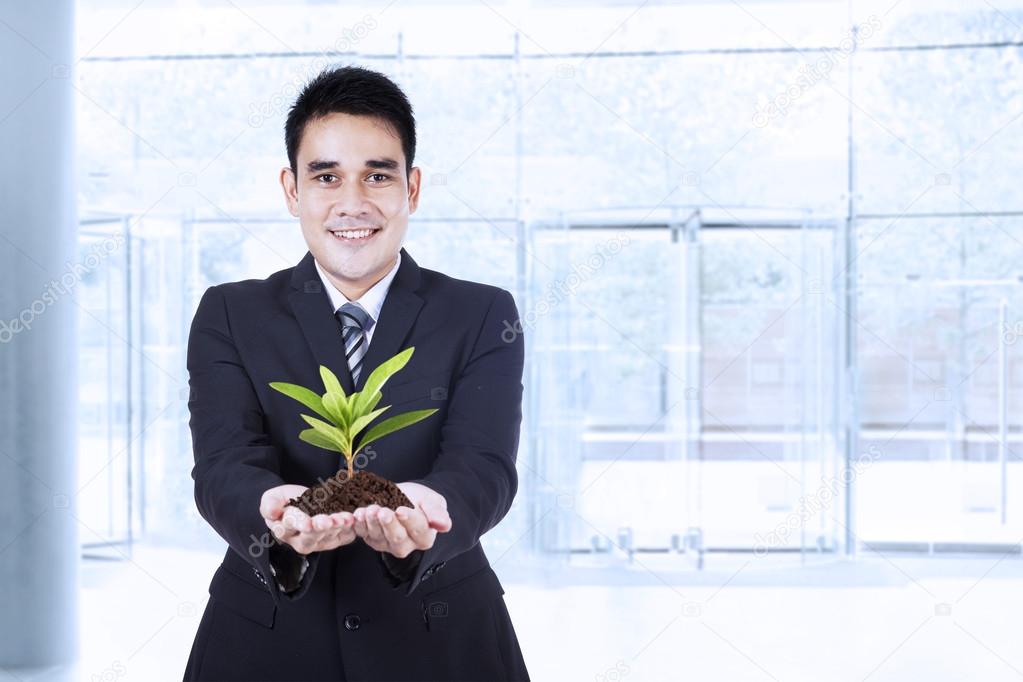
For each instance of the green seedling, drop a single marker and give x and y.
(346, 416)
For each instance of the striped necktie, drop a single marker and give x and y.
(355, 323)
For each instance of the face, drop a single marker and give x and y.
(351, 176)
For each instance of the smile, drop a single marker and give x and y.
(354, 236)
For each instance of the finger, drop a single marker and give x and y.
(272, 506)
(393, 529)
(372, 539)
(344, 523)
(360, 523)
(294, 523)
(345, 536)
(278, 528)
(416, 525)
(281, 531)
(324, 533)
(374, 532)
(321, 522)
(437, 516)
(296, 519)
(422, 535)
(343, 519)
(347, 525)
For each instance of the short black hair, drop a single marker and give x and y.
(351, 90)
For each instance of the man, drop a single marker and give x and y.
(375, 594)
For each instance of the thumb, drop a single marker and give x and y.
(272, 505)
(437, 517)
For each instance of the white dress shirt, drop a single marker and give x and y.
(372, 301)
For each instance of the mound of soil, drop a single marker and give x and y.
(338, 493)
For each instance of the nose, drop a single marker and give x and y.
(349, 200)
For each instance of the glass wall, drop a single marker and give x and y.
(770, 282)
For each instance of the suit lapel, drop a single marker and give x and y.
(313, 309)
(398, 314)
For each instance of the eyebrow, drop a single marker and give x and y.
(378, 164)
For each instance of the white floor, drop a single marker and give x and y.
(742, 618)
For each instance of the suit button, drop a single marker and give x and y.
(352, 621)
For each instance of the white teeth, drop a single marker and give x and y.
(353, 234)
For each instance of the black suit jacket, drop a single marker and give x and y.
(349, 618)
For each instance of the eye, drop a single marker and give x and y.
(380, 175)
(326, 175)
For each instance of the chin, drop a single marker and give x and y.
(354, 263)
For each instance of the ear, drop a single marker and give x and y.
(414, 180)
(290, 185)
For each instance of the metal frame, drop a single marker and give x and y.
(128, 538)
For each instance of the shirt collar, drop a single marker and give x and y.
(372, 301)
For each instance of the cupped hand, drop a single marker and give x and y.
(403, 530)
(292, 526)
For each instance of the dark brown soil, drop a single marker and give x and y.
(338, 494)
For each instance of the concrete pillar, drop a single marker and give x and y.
(39, 552)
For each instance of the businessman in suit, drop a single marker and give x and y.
(376, 594)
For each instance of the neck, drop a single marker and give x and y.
(353, 291)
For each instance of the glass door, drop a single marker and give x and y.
(770, 480)
(941, 372)
(683, 373)
(108, 422)
(612, 361)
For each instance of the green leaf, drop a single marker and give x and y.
(330, 381)
(393, 424)
(363, 421)
(349, 408)
(336, 405)
(314, 437)
(363, 403)
(380, 375)
(348, 415)
(302, 395)
(330, 432)
(374, 401)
